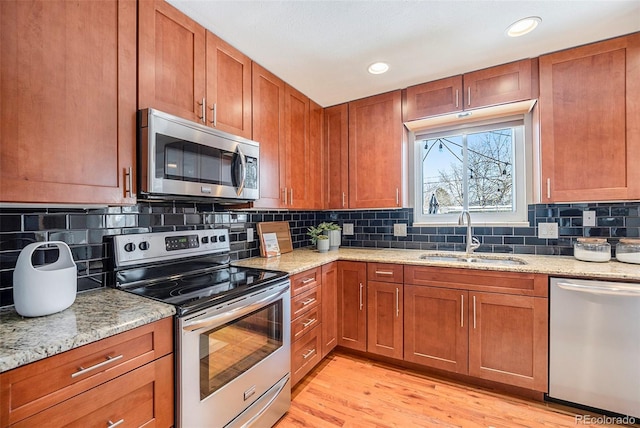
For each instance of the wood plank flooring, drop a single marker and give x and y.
(353, 392)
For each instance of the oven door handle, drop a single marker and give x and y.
(219, 319)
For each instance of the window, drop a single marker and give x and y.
(476, 168)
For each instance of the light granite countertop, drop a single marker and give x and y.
(302, 259)
(95, 315)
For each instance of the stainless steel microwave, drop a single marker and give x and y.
(180, 159)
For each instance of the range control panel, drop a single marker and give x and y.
(160, 246)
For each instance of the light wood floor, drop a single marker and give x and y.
(350, 391)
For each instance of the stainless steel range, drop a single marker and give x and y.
(232, 325)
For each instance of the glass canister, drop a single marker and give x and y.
(628, 250)
(592, 250)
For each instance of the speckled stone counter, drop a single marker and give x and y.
(94, 315)
(303, 259)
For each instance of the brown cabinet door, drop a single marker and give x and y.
(516, 81)
(384, 318)
(68, 101)
(171, 61)
(329, 307)
(434, 98)
(375, 151)
(268, 130)
(336, 157)
(228, 87)
(352, 305)
(436, 327)
(298, 150)
(508, 339)
(589, 114)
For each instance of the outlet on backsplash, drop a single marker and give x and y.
(347, 229)
(548, 230)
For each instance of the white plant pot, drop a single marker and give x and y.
(335, 239)
(322, 245)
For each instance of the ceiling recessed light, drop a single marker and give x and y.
(523, 26)
(378, 68)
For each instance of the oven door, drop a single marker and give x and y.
(179, 157)
(233, 356)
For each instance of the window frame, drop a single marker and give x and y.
(521, 170)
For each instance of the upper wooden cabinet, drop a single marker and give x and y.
(590, 132)
(189, 72)
(335, 157)
(376, 151)
(171, 61)
(516, 81)
(269, 130)
(228, 88)
(68, 101)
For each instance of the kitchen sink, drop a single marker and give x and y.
(489, 260)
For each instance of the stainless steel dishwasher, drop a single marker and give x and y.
(594, 344)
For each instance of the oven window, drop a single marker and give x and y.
(233, 348)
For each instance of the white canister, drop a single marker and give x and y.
(45, 289)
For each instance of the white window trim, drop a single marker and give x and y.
(523, 165)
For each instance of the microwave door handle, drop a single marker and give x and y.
(243, 163)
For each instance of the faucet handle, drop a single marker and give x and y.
(475, 244)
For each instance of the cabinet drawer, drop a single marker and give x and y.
(304, 281)
(526, 284)
(29, 389)
(385, 272)
(305, 302)
(305, 323)
(305, 354)
(142, 396)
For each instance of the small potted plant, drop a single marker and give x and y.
(333, 230)
(318, 238)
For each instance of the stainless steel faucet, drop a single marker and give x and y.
(472, 243)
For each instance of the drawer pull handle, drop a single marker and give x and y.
(383, 272)
(308, 280)
(308, 323)
(115, 424)
(109, 360)
(308, 301)
(309, 353)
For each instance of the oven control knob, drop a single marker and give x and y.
(222, 238)
(129, 247)
(214, 238)
(205, 239)
(144, 245)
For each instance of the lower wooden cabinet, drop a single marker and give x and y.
(127, 376)
(305, 354)
(352, 305)
(329, 307)
(384, 318)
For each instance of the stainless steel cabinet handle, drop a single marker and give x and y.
(383, 272)
(214, 115)
(397, 197)
(203, 107)
(469, 96)
(361, 286)
(109, 360)
(308, 301)
(284, 192)
(474, 312)
(308, 280)
(342, 199)
(129, 186)
(308, 323)
(397, 302)
(548, 188)
(115, 424)
(291, 198)
(457, 104)
(462, 310)
(309, 353)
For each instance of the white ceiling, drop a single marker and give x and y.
(323, 48)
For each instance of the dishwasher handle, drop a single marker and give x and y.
(612, 290)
